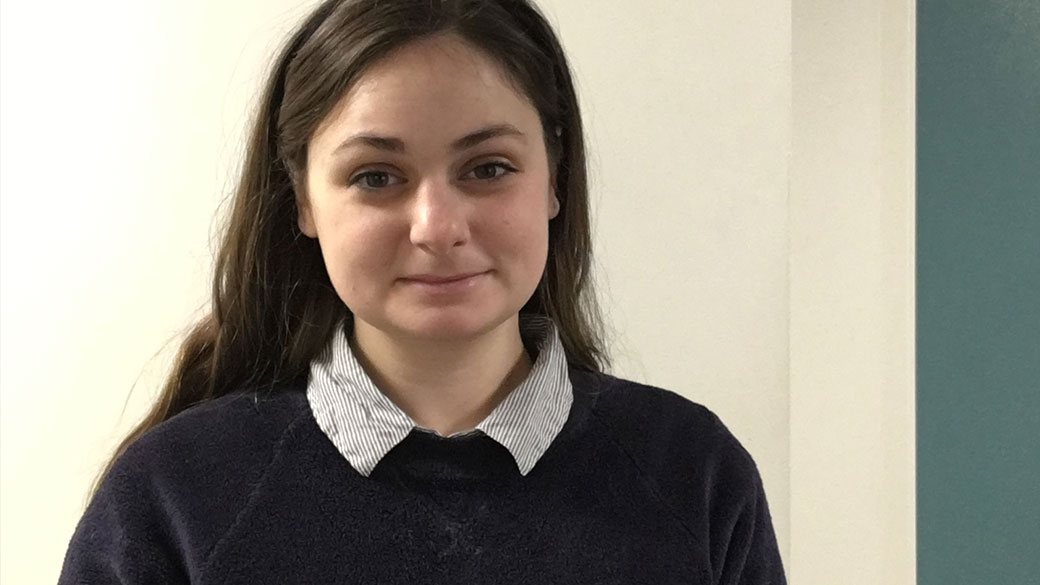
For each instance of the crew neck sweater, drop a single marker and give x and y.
(641, 485)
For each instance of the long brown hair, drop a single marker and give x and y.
(273, 307)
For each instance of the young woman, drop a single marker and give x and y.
(401, 377)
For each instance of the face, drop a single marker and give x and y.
(429, 190)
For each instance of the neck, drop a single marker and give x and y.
(447, 386)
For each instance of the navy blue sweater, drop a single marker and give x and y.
(640, 486)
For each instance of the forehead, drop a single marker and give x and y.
(432, 89)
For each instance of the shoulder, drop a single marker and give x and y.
(655, 414)
(697, 468)
(226, 424)
(233, 435)
(681, 445)
(199, 467)
(176, 489)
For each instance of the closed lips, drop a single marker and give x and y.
(433, 279)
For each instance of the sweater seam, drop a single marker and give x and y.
(253, 495)
(647, 477)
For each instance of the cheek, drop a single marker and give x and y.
(358, 254)
(522, 233)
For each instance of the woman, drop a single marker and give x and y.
(401, 378)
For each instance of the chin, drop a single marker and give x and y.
(455, 324)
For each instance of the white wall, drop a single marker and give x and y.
(121, 124)
(852, 293)
(688, 114)
(121, 129)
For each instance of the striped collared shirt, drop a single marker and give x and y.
(364, 424)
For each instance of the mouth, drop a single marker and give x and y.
(446, 285)
(446, 279)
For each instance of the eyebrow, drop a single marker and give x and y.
(391, 144)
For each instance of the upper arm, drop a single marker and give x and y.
(122, 537)
(744, 547)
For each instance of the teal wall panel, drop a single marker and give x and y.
(978, 292)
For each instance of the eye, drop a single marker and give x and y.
(490, 171)
(372, 180)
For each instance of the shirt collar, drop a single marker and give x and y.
(364, 424)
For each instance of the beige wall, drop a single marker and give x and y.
(852, 499)
(688, 114)
(749, 164)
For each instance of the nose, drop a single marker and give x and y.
(440, 219)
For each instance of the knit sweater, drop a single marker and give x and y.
(641, 485)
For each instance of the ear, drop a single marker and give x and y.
(305, 218)
(554, 206)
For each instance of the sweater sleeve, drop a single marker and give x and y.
(744, 548)
(751, 555)
(703, 473)
(123, 537)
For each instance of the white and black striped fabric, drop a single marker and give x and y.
(364, 424)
